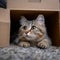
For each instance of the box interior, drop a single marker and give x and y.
(51, 20)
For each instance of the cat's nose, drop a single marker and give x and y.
(27, 31)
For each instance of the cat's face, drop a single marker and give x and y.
(34, 29)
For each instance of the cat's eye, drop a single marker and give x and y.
(24, 27)
(33, 27)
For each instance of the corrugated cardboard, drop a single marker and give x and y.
(4, 27)
(52, 5)
(4, 34)
(16, 8)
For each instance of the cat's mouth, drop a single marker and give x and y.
(32, 36)
(29, 36)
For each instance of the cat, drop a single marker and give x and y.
(33, 33)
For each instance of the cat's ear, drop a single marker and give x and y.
(22, 20)
(40, 18)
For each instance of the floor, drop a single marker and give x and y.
(31, 53)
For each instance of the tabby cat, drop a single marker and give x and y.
(33, 33)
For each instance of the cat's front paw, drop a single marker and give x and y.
(43, 44)
(24, 44)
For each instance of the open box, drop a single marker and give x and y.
(51, 20)
(9, 24)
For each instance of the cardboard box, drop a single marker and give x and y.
(52, 5)
(51, 18)
(15, 8)
(4, 27)
(7, 29)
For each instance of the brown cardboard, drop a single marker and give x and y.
(59, 5)
(5, 15)
(4, 27)
(52, 5)
(4, 34)
(16, 8)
